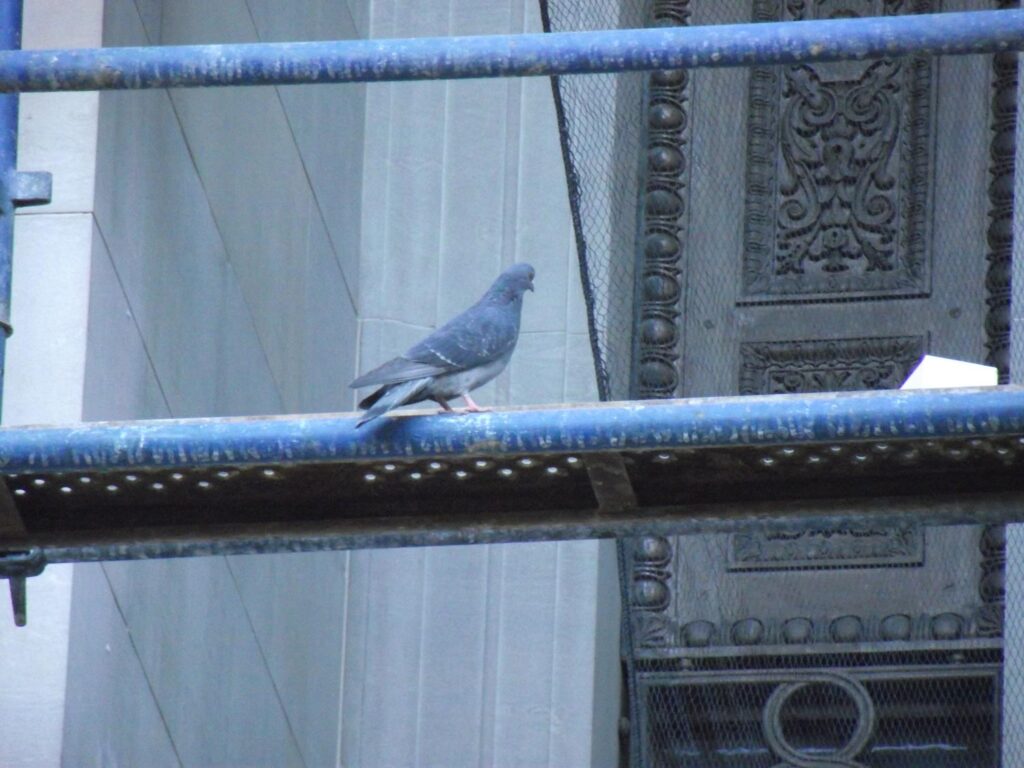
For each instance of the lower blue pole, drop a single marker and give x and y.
(768, 421)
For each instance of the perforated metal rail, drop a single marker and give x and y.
(204, 486)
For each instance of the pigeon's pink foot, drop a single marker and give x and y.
(472, 407)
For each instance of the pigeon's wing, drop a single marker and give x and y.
(396, 371)
(480, 335)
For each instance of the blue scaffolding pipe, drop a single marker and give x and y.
(702, 423)
(16, 189)
(10, 38)
(180, 488)
(511, 55)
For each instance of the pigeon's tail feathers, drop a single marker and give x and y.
(372, 398)
(386, 398)
(396, 371)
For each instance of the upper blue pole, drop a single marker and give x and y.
(511, 55)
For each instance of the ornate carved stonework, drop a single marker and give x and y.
(663, 631)
(854, 546)
(828, 365)
(650, 576)
(663, 233)
(838, 170)
(992, 587)
(1000, 194)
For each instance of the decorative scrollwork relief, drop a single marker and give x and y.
(838, 171)
(860, 546)
(828, 365)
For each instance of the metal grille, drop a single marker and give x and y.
(793, 229)
(893, 715)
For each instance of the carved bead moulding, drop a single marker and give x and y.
(828, 365)
(1002, 150)
(663, 227)
(657, 630)
(838, 169)
(651, 561)
(992, 587)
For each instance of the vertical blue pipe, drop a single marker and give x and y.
(10, 39)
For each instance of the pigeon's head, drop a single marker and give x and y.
(513, 282)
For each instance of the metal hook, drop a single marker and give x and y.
(18, 560)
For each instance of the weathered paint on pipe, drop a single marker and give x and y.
(643, 425)
(511, 55)
(10, 39)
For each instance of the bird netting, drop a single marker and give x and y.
(807, 228)
(601, 139)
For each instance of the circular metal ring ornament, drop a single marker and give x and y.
(844, 756)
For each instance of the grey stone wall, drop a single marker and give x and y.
(224, 281)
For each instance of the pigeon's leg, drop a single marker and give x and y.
(445, 408)
(472, 407)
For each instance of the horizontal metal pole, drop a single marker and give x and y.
(511, 55)
(434, 528)
(205, 486)
(724, 422)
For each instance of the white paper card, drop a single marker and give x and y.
(941, 373)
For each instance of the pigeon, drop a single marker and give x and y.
(463, 354)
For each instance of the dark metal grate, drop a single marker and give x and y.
(902, 715)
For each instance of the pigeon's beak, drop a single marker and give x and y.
(530, 286)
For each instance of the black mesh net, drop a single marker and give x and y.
(601, 144)
(797, 229)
